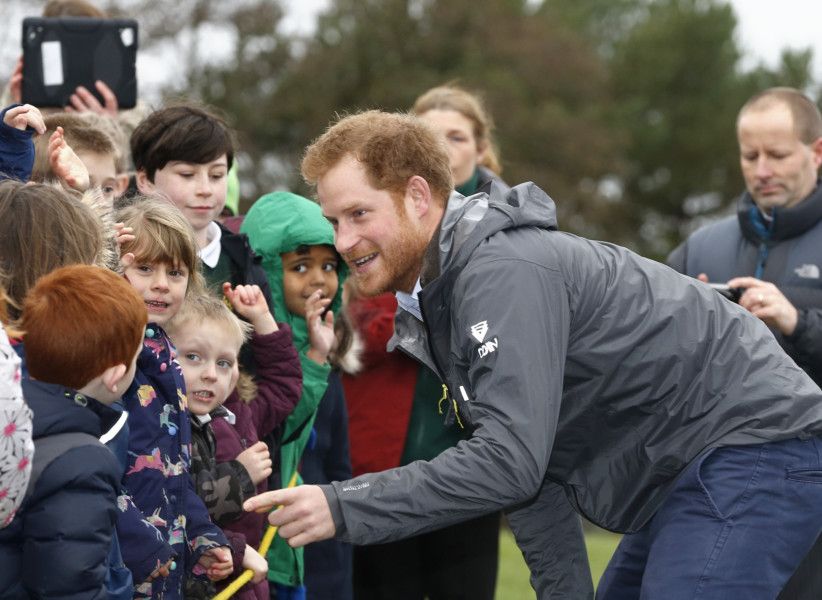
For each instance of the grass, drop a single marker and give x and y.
(512, 577)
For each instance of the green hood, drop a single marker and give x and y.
(280, 222)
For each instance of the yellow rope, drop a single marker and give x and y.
(246, 575)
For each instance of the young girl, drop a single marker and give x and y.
(305, 274)
(161, 264)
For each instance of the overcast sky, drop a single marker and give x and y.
(765, 26)
(768, 26)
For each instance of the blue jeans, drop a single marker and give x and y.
(736, 525)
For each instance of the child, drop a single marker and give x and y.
(15, 423)
(83, 331)
(184, 154)
(94, 147)
(161, 264)
(208, 338)
(305, 273)
(43, 228)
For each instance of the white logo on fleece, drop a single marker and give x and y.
(807, 271)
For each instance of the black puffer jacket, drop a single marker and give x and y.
(58, 544)
(791, 258)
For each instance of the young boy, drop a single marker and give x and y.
(208, 338)
(296, 243)
(92, 144)
(184, 153)
(83, 331)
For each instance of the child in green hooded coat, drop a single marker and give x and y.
(306, 276)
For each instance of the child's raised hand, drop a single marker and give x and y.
(217, 562)
(21, 117)
(65, 163)
(248, 301)
(321, 335)
(123, 234)
(254, 561)
(257, 461)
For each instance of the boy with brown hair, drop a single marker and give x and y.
(83, 332)
(184, 153)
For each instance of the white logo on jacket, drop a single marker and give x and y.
(807, 271)
(488, 347)
(479, 330)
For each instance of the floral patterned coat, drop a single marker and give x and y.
(172, 520)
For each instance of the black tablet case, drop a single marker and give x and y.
(89, 49)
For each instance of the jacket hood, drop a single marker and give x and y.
(787, 222)
(281, 222)
(58, 409)
(469, 221)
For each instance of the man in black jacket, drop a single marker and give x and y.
(771, 250)
(592, 381)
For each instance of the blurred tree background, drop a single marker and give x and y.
(623, 110)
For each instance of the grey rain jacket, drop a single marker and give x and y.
(590, 376)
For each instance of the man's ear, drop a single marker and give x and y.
(112, 377)
(144, 184)
(419, 192)
(816, 148)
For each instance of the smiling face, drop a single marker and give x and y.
(198, 190)
(382, 239)
(464, 152)
(779, 169)
(306, 270)
(162, 286)
(207, 354)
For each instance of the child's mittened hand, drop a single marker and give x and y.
(21, 117)
(65, 163)
(254, 561)
(217, 562)
(257, 461)
(320, 330)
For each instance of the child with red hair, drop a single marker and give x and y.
(83, 331)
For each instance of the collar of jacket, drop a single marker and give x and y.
(787, 222)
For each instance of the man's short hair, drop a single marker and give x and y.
(78, 321)
(807, 121)
(184, 133)
(206, 307)
(161, 235)
(392, 147)
(80, 132)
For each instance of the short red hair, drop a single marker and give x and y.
(78, 321)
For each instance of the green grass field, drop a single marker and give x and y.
(512, 578)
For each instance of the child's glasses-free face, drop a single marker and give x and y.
(162, 286)
(312, 269)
